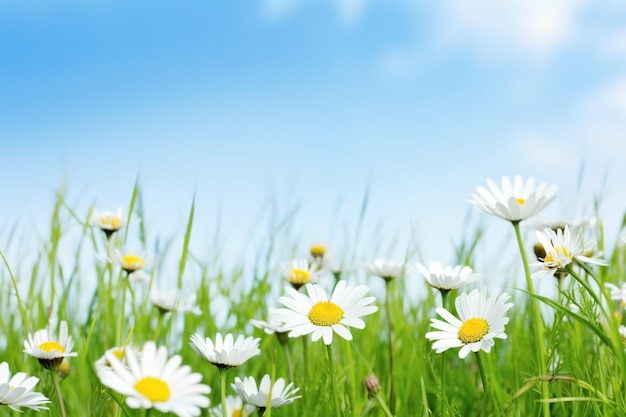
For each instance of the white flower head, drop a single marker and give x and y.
(226, 352)
(561, 249)
(173, 301)
(481, 320)
(617, 293)
(133, 263)
(48, 348)
(320, 316)
(156, 381)
(272, 325)
(514, 200)
(387, 270)
(103, 364)
(107, 221)
(447, 277)
(279, 393)
(300, 272)
(235, 407)
(17, 391)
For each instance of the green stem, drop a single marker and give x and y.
(541, 353)
(305, 359)
(223, 390)
(57, 388)
(333, 383)
(444, 303)
(392, 395)
(20, 304)
(382, 405)
(120, 322)
(288, 359)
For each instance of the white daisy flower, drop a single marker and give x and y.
(317, 251)
(617, 293)
(315, 314)
(156, 381)
(560, 250)
(226, 352)
(480, 321)
(446, 278)
(133, 263)
(107, 221)
(172, 301)
(513, 201)
(48, 348)
(272, 325)
(279, 393)
(18, 391)
(299, 272)
(235, 407)
(119, 352)
(385, 269)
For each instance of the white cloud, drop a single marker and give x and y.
(350, 11)
(278, 9)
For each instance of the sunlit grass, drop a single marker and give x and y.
(584, 351)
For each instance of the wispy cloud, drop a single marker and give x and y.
(278, 9)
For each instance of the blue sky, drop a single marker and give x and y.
(311, 103)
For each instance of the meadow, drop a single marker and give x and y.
(525, 354)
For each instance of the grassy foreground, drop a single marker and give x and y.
(584, 352)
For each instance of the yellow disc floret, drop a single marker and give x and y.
(50, 346)
(325, 313)
(520, 201)
(318, 251)
(132, 262)
(154, 389)
(473, 330)
(299, 276)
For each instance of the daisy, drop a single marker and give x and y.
(107, 221)
(272, 325)
(133, 263)
(156, 381)
(17, 391)
(103, 364)
(617, 293)
(561, 250)
(315, 314)
(387, 270)
(279, 393)
(234, 408)
(513, 201)
(226, 352)
(446, 278)
(299, 272)
(49, 349)
(172, 301)
(480, 321)
(318, 251)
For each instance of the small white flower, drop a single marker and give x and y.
(315, 314)
(48, 348)
(385, 269)
(299, 272)
(156, 381)
(18, 391)
(172, 301)
(119, 352)
(107, 221)
(480, 321)
(279, 394)
(447, 277)
(226, 352)
(133, 263)
(561, 250)
(272, 325)
(235, 407)
(617, 293)
(513, 201)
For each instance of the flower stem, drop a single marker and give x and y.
(382, 405)
(481, 368)
(444, 299)
(392, 394)
(545, 394)
(57, 388)
(305, 359)
(333, 383)
(223, 390)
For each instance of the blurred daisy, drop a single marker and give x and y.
(156, 381)
(103, 364)
(446, 278)
(172, 301)
(279, 393)
(226, 352)
(299, 272)
(315, 314)
(514, 200)
(317, 251)
(617, 293)
(480, 321)
(18, 391)
(132, 263)
(385, 269)
(235, 407)
(48, 348)
(107, 221)
(272, 325)
(561, 250)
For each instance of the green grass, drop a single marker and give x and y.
(584, 353)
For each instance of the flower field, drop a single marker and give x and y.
(320, 334)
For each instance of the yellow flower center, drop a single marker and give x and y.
(113, 223)
(473, 330)
(154, 389)
(520, 201)
(318, 251)
(236, 412)
(325, 313)
(118, 353)
(50, 346)
(299, 276)
(132, 262)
